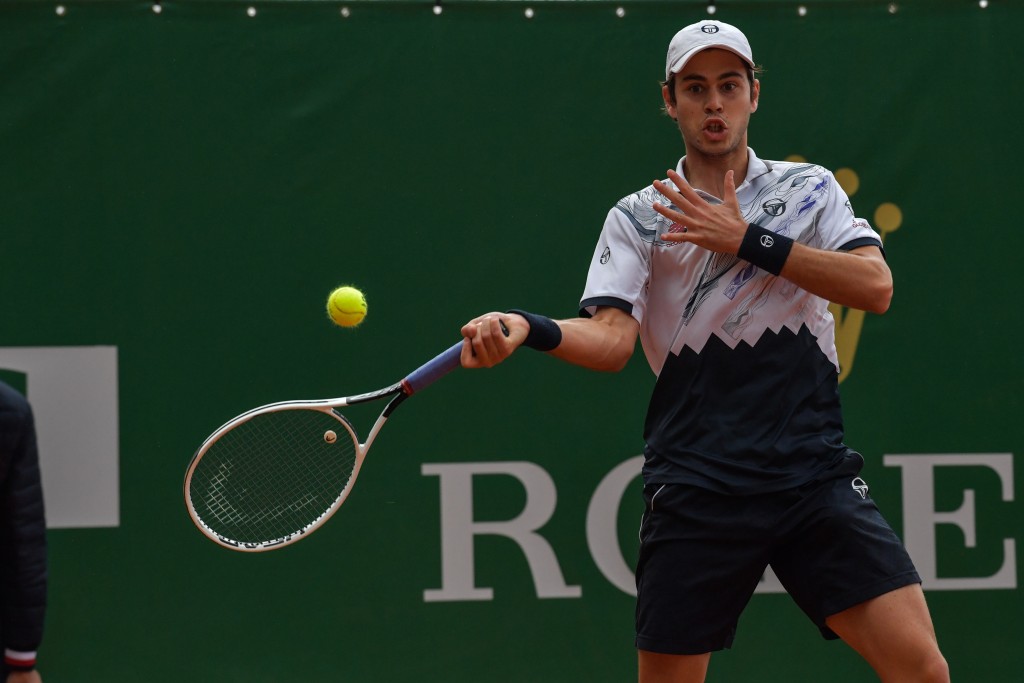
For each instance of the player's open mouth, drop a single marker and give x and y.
(715, 131)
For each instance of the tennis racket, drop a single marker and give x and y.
(275, 474)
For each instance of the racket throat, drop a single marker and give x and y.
(390, 408)
(394, 403)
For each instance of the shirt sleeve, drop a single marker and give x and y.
(620, 268)
(839, 228)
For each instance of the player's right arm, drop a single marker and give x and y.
(602, 342)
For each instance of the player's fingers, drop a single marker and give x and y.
(681, 236)
(684, 188)
(480, 355)
(491, 336)
(487, 350)
(671, 194)
(471, 328)
(473, 346)
(730, 189)
(468, 356)
(681, 223)
(685, 209)
(671, 214)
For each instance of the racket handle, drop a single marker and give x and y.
(433, 370)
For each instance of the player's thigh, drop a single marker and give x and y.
(700, 560)
(838, 551)
(655, 667)
(894, 633)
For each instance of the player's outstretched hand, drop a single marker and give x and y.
(24, 677)
(718, 227)
(491, 338)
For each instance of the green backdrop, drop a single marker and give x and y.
(187, 185)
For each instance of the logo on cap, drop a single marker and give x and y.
(709, 28)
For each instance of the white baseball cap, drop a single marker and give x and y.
(701, 36)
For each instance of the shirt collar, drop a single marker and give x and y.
(755, 168)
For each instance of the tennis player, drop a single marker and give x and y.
(725, 270)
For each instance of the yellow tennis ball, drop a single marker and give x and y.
(346, 306)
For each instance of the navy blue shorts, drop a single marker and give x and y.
(702, 554)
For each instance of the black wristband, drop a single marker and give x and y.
(544, 334)
(765, 249)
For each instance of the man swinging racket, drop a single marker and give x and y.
(725, 270)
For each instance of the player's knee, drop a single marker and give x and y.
(930, 668)
(935, 669)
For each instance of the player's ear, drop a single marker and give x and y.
(755, 96)
(669, 98)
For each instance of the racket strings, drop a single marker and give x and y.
(273, 476)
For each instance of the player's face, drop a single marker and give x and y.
(713, 103)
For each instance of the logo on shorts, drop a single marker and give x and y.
(606, 255)
(767, 241)
(860, 486)
(709, 28)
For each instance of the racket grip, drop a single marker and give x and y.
(434, 369)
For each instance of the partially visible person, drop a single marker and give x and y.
(23, 564)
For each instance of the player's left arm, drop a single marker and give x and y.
(858, 278)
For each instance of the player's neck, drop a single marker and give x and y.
(707, 173)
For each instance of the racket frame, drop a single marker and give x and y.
(417, 380)
(398, 391)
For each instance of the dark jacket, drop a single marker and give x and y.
(22, 528)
